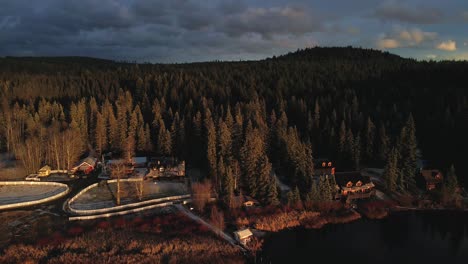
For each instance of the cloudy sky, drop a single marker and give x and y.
(205, 30)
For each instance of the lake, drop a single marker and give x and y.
(403, 237)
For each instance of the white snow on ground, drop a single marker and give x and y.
(24, 193)
(104, 196)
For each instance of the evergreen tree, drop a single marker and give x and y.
(211, 148)
(325, 189)
(452, 181)
(342, 139)
(407, 146)
(272, 192)
(100, 133)
(141, 142)
(314, 194)
(250, 154)
(263, 178)
(391, 172)
(357, 152)
(370, 138)
(224, 141)
(383, 145)
(228, 187)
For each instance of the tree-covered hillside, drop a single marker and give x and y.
(236, 120)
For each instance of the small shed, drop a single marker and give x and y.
(249, 201)
(243, 236)
(44, 171)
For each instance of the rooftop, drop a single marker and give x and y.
(244, 233)
(342, 178)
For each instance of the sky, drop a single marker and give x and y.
(169, 31)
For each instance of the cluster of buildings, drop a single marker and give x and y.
(144, 167)
(139, 167)
(350, 185)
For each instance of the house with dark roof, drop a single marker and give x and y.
(353, 185)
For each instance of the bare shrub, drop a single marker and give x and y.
(201, 194)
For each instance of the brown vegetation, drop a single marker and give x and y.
(125, 247)
(274, 219)
(376, 209)
(284, 220)
(162, 239)
(217, 218)
(201, 194)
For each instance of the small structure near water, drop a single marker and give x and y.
(243, 236)
(353, 185)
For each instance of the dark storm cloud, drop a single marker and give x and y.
(188, 30)
(410, 14)
(271, 21)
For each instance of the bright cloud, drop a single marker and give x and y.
(416, 36)
(405, 38)
(388, 43)
(448, 45)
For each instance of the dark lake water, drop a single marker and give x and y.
(404, 237)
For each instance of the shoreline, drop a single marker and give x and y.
(320, 220)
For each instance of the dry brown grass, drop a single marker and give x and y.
(284, 220)
(166, 239)
(274, 219)
(11, 170)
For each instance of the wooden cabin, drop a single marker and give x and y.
(353, 185)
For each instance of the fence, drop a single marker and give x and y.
(120, 207)
(38, 201)
(135, 210)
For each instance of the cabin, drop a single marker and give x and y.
(129, 168)
(353, 185)
(44, 171)
(432, 178)
(323, 167)
(85, 166)
(166, 167)
(249, 202)
(243, 236)
(244, 200)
